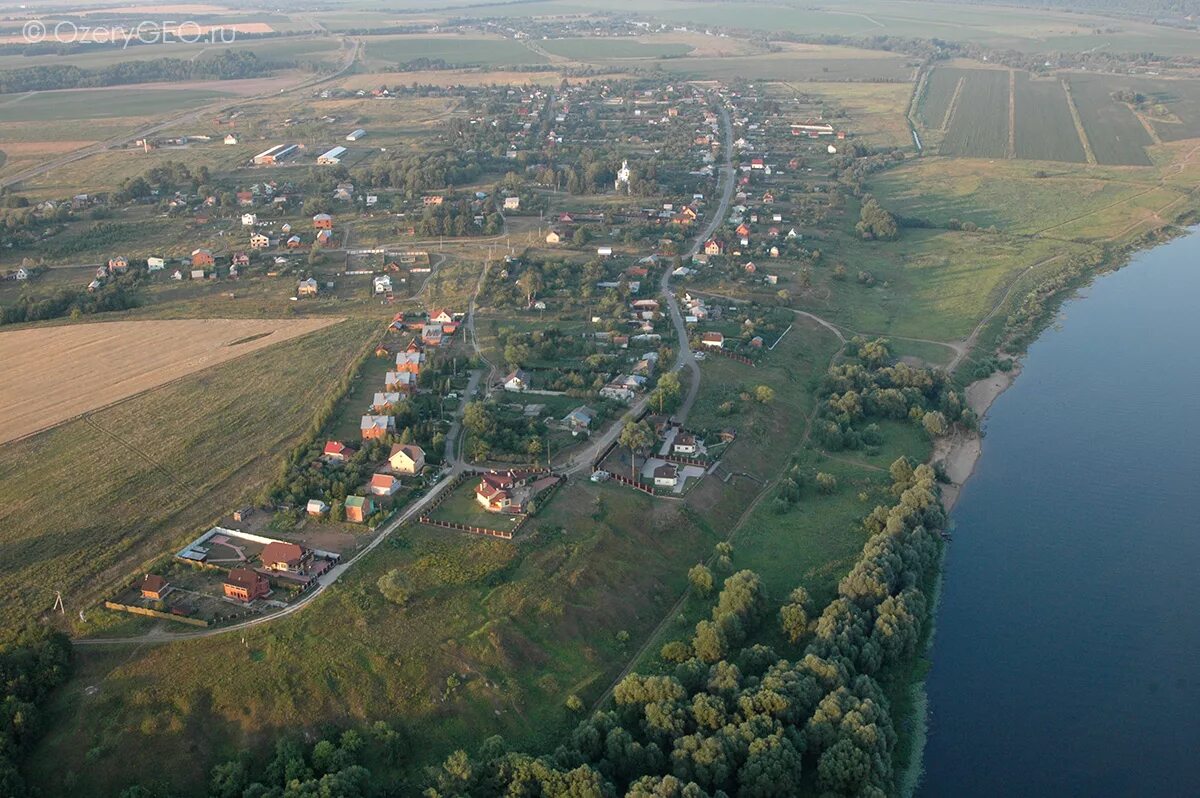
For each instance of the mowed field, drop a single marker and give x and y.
(87, 503)
(969, 110)
(51, 374)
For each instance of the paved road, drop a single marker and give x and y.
(453, 455)
(578, 462)
(582, 459)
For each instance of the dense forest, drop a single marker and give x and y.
(32, 663)
(229, 65)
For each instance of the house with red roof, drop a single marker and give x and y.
(337, 452)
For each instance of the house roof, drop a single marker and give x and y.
(412, 451)
(666, 470)
(357, 501)
(383, 480)
(244, 577)
(713, 336)
(337, 447)
(377, 422)
(154, 583)
(278, 551)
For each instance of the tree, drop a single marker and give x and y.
(393, 587)
(763, 394)
(826, 483)
(875, 223)
(636, 436)
(793, 616)
(530, 282)
(934, 423)
(701, 579)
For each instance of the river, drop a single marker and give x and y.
(1066, 660)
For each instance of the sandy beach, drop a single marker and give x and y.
(960, 452)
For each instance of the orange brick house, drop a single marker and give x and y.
(246, 585)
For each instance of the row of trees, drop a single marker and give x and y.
(117, 294)
(229, 65)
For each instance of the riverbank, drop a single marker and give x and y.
(959, 453)
(1016, 680)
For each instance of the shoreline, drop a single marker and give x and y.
(959, 454)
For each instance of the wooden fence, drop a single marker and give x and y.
(475, 530)
(642, 486)
(113, 605)
(731, 355)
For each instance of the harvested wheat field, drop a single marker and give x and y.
(51, 374)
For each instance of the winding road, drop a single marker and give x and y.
(578, 462)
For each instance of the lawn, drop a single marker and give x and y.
(460, 507)
(86, 503)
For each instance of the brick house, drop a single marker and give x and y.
(246, 585)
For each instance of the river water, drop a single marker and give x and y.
(1066, 660)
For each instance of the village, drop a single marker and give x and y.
(572, 355)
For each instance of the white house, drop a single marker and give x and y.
(683, 444)
(517, 381)
(383, 284)
(316, 507)
(604, 252)
(512, 203)
(155, 264)
(666, 475)
(22, 274)
(355, 135)
(249, 220)
(230, 138)
(406, 458)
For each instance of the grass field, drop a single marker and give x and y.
(457, 50)
(606, 47)
(1012, 197)
(89, 501)
(106, 362)
(519, 626)
(1028, 29)
(279, 50)
(107, 103)
(823, 64)
(929, 284)
(877, 109)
